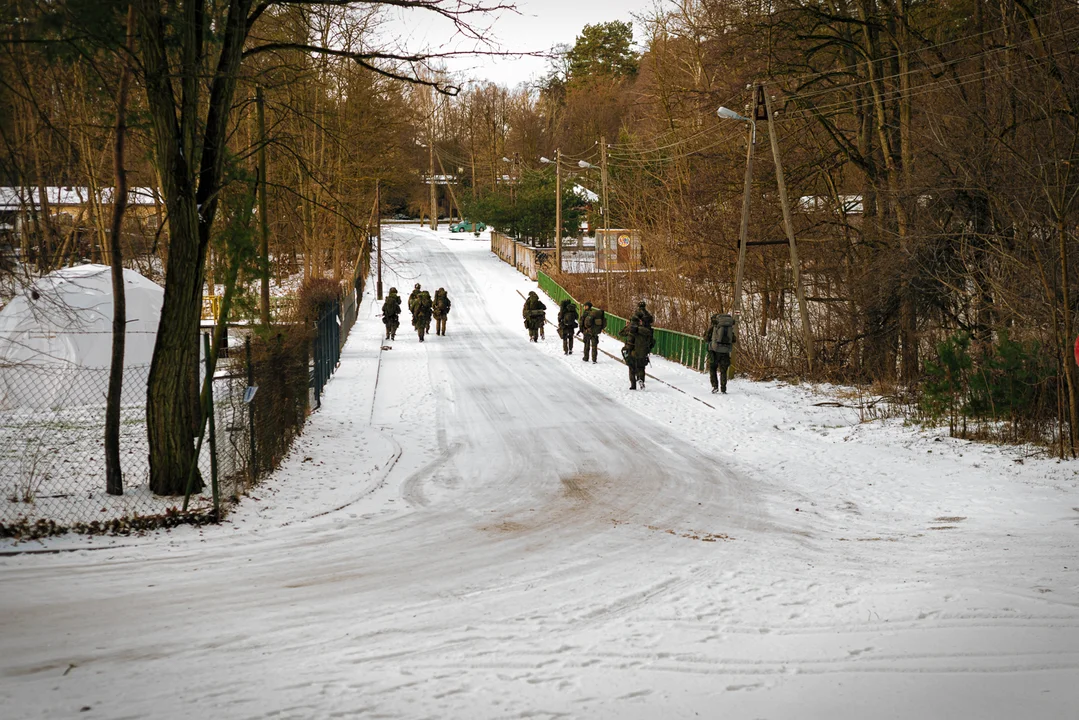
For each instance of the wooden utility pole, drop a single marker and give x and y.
(606, 220)
(743, 232)
(449, 187)
(807, 333)
(558, 208)
(378, 234)
(431, 179)
(264, 220)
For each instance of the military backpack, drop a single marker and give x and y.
(722, 340)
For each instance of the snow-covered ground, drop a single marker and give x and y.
(481, 527)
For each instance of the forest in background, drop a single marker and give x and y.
(929, 150)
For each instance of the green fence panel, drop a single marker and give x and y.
(679, 347)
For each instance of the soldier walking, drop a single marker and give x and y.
(419, 305)
(534, 314)
(639, 341)
(593, 320)
(391, 314)
(567, 324)
(441, 310)
(646, 317)
(719, 338)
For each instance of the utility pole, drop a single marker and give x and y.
(558, 208)
(606, 220)
(264, 220)
(431, 179)
(378, 220)
(807, 333)
(744, 230)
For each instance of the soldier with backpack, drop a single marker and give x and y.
(719, 338)
(420, 306)
(391, 314)
(567, 324)
(593, 320)
(441, 310)
(646, 317)
(639, 341)
(534, 314)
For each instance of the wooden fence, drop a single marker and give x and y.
(526, 259)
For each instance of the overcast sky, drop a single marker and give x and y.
(538, 25)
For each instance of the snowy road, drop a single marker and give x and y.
(496, 530)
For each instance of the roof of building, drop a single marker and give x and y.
(17, 198)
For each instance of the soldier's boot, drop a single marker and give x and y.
(632, 379)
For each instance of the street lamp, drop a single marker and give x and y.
(728, 114)
(513, 196)
(764, 103)
(557, 206)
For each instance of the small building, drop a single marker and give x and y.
(74, 206)
(618, 250)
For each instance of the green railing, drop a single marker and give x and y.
(679, 347)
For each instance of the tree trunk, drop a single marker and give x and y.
(172, 402)
(114, 479)
(1069, 367)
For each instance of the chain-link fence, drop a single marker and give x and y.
(52, 454)
(52, 426)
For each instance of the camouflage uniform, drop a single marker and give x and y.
(441, 310)
(391, 314)
(719, 353)
(593, 320)
(534, 314)
(642, 312)
(567, 325)
(639, 342)
(420, 305)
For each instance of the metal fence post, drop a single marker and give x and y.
(318, 364)
(251, 412)
(212, 430)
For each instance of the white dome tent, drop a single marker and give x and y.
(56, 338)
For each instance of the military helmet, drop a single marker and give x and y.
(641, 305)
(588, 303)
(393, 291)
(441, 290)
(417, 286)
